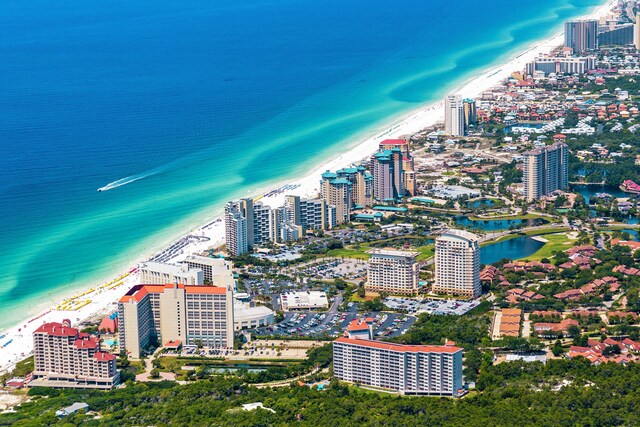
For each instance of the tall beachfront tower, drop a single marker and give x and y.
(636, 32)
(393, 272)
(453, 115)
(235, 229)
(458, 264)
(581, 35)
(546, 169)
(336, 192)
(470, 113)
(388, 175)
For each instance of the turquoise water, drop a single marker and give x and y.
(193, 103)
(520, 247)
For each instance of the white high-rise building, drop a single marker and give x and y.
(235, 228)
(458, 264)
(392, 272)
(454, 115)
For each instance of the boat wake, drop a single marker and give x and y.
(126, 180)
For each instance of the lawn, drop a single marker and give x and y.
(556, 242)
(349, 252)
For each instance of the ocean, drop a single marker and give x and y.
(189, 104)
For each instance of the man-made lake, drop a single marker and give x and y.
(496, 224)
(482, 203)
(589, 191)
(520, 247)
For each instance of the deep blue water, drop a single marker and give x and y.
(207, 100)
(520, 247)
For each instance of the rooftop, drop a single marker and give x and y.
(400, 348)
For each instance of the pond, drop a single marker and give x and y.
(589, 191)
(520, 247)
(497, 224)
(482, 203)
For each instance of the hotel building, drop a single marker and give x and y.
(392, 272)
(175, 313)
(408, 369)
(453, 115)
(565, 65)
(546, 169)
(388, 176)
(457, 264)
(470, 113)
(336, 192)
(215, 271)
(157, 272)
(236, 229)
(67, 358)
(581, 35)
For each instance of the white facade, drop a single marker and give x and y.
(235, 230)
(157, 272)
(407, 369)
(457, 261)
(246, 316)
(216, 271)
(303, 300)
(454, 115)
(392, 272)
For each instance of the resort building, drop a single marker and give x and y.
(546, 169)
(565, 65)
(620, 35)
(157, 272)
(235, 230)
(175, 313)
(392, 272)
(408, 369)
(453, 115)
(215, 271)
(66, 357)
(337, 192)
(469, 113)
(581, 35)
(457, 262)
(388, 176)
(310, 214)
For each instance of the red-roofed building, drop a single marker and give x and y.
(408, 369)
(108, 325)
(67, 358)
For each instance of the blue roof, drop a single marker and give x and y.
(390, 208)
(341, 181)
(422, 200)
(328, 174)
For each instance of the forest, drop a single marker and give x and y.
(560, 393)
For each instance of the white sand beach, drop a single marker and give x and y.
(16, 342)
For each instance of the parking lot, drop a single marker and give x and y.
(332, 325)
(332, 269)
(431, 306)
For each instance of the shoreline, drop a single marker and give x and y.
(16, 341)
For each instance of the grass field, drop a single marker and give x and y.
(556, 242)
